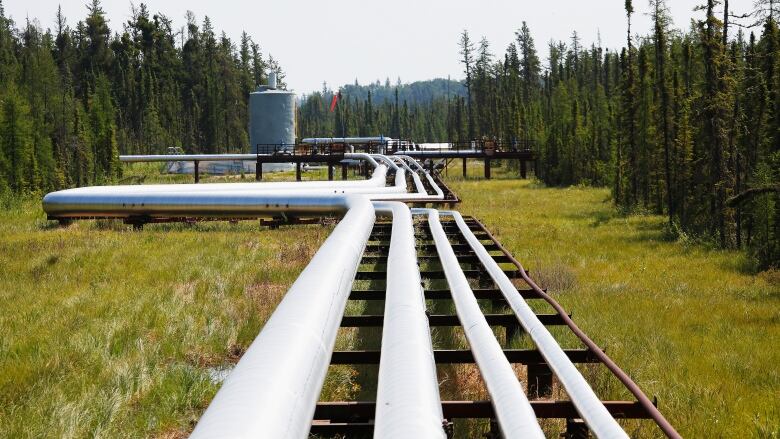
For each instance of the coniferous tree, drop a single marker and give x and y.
(467, 51)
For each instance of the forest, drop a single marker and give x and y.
(72, 98)
(683, 123)
(680, 123)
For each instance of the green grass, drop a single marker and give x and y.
(691, 325)
(110, 332)
(106, 331)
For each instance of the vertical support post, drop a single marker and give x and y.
(577, 429)
(487, 169)
(539, 380)
(523, 169)
(464, 167)
(343, 171)
(495, 430)
(197, 171)
(330, 171)
(258, 169)
(298, 171)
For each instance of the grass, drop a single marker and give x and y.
(114, 333)
(105, 331)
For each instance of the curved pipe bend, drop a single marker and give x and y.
(427, 174)
(385, 159)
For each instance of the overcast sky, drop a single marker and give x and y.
(340, 40)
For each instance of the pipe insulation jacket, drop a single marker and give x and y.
(514, 413)
(588, 405)
(273, 390)
(218, 199)
(416, 164)
(408, 403)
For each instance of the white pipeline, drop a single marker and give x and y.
(407, 402)
(273, 390)
(588, 405)
(514, 413)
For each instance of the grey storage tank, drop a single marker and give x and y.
(271, 118)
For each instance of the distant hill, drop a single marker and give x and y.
(415, 92)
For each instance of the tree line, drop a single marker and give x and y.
(73, 97)
(680, 123)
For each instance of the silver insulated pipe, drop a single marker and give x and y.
(273, 391)
(407, 401)
(514, 413)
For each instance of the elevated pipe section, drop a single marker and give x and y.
(408, 403)
(66, 204)
(105, 201)
(377, 181)
(332, 140)
(431, 181)
(514, 413)
(447, 152)
(588, 405)
(400, 173)
(273, 390)
(223, 199)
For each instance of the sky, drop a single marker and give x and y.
(338, 41)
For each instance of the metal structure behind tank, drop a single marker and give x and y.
(271, 119)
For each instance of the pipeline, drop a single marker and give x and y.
(623, 377)
(273, 390)
(408, 402)
(514, 413)
(377, 179)
(436, 188)
(331, 140)
(588, 405)
(219, 199)
(220, 157)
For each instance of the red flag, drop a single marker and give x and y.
(334, 101)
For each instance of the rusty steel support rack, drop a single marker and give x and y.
(355, 418)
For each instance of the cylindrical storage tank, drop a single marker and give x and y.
(271, 120)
